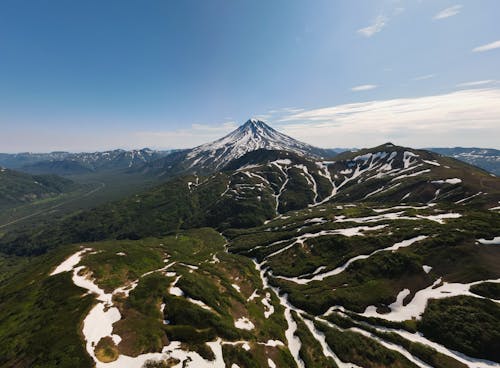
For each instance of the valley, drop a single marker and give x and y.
(258, 251)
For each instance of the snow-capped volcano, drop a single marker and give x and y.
(251, 136)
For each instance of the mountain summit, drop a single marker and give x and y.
(251, 136)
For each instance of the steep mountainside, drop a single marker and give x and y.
(332, 286)
(263, 184)
(17, 188)
(485, 158)
(251, 136)
(392, 173)
(385, 257)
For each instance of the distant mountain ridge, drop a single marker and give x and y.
(485, 158)
(66, 163)
(19, 188)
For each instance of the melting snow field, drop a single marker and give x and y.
(99, 323)
(416, 306)
(494, 241)
(244, 323)
(336, 271)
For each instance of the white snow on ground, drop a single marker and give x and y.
(427, 269)
(399, 299)
(214, 259)
(238, 289)
(352, 231)
(336, 271)
(398, 216)
(392, 346)
(284, 161)
(494, 241)
(99, 323)
(407, 156)
(374, 192)
(435, 163)
(418, 337)
(126, 289)
(270, 363)
(121, 254)
(174, 290)
(315, 220)
(199, 303)
(310, 181)
(411, 175)
(244, 323)
(452, 181)
(294, 343)
(379, 210)
(269, 309)
(468, 198)
(440, 218)
(416, 306)
(327, 351)
(173, 350)
(70, 262)
(254, 295)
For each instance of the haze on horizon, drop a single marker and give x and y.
(93, 75)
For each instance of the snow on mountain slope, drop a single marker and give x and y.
(251, 136)
(386, 173)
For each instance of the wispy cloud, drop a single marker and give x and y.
(364, 87)
(424, 77)
(448, 12)
(465, 117)
(477, 83)
(487, 47)
(378, 24)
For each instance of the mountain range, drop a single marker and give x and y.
(485, 158)
(66, 163)
(257, 250)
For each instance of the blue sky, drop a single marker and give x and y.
(95, 75)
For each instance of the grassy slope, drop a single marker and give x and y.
(41, 328)
(18, 188)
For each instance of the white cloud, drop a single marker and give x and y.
(424, 77)
(378, 24)
(448, 12)
(487, 47)
(16, 139)
(467, 117)
(182, 138)
(477, 83)
(364, 87)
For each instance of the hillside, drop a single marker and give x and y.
(18, 188)
(263, 184)
(66, 163)
(384, 257)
